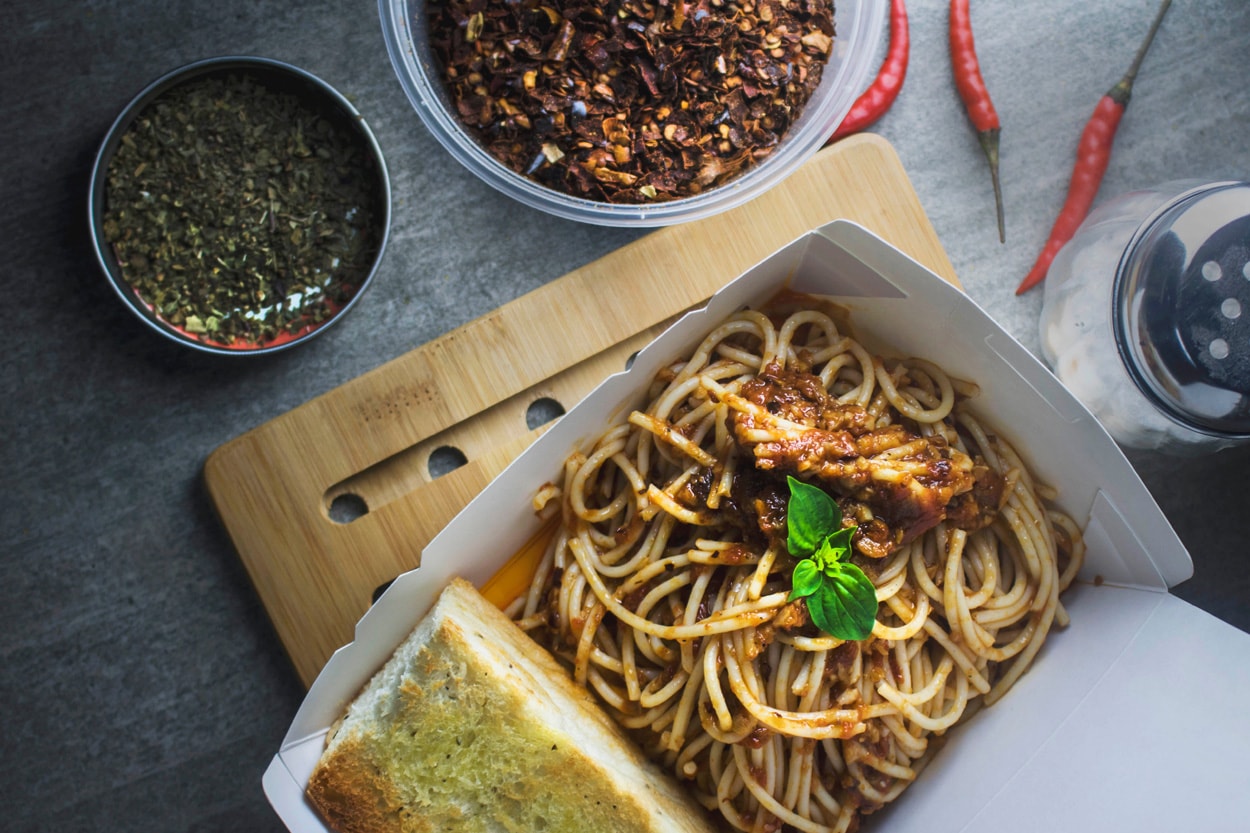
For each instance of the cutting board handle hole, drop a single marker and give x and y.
(541, 411)
(444, 459)
(347, 507)
(379, 590)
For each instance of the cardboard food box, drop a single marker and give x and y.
(1132, 718)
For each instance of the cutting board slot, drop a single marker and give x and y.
(444, 460)
(543, 410)
(379, 590)
(412, 469)
(347, 507)
(526, 413)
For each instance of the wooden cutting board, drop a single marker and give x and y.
(328, 502)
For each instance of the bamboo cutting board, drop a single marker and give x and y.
(330, 501)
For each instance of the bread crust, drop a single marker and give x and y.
(473, 726)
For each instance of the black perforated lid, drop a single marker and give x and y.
(1182, 317)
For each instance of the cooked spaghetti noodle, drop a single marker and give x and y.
(666, 583)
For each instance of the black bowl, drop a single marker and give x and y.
(252, 330)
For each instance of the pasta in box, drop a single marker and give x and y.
(1088, 709)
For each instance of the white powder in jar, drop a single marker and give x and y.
(1076, 329)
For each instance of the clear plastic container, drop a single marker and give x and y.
(1146, 316)
(860, 25)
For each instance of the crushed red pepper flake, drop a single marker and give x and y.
(630, 101)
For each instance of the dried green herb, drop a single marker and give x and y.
(630, 101)
(239, 213)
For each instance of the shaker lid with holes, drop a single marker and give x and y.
(1182, 308)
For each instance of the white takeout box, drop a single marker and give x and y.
(1133, 718)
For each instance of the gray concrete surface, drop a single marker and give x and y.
(141, 685)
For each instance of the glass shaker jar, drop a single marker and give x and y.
(1146, 316)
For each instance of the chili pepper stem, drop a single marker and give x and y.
(1123, 89)
(989, 143)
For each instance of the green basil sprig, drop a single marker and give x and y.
(840, 599)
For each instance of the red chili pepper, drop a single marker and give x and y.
(875, 100)
(975, 95)
(1093, 153)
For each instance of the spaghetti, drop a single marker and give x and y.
(666, 584)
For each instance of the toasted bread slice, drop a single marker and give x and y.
(472, 726)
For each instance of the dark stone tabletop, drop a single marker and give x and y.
(142, 687)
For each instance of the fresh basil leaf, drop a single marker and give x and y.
(826, 557)
(810, 516)
(834, 548)
(805, 580)
(845, 606)
(822, 607)
(840, 541)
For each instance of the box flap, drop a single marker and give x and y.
(1158, 744)
(285, 792)
(1134, 720)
